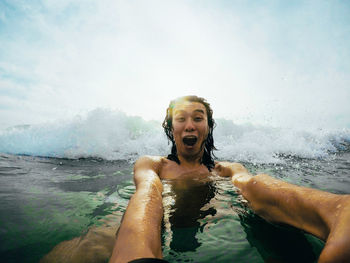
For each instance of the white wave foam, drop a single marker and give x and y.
(265, 144)
(113, 135)
(102, 133)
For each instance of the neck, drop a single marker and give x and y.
(190, 162)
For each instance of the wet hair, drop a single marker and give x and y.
(208, 155)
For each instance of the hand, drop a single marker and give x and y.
(337, 248)
(227, 169)
(238, 173)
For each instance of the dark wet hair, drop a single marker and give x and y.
(208, 155)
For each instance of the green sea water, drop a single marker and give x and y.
(46, 201)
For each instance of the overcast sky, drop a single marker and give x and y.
(267, 62)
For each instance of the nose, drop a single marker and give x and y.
(189, 125)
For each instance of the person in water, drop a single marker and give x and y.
(189, 126)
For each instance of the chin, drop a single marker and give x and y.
(192, 151)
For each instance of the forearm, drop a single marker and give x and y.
(139, 233)
(277, 201)
(324, 215)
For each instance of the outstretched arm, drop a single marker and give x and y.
(322, 214)
(139, 232)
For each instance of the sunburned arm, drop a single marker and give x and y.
(139, 233)
(319, 213)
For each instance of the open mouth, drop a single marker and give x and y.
(190, 140)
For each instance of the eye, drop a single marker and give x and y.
(198, 119)
(180, 119)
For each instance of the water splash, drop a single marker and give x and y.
(113, 135)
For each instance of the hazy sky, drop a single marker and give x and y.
(268, 62)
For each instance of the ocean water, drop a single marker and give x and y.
(65, 185)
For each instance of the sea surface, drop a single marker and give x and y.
(65, 185)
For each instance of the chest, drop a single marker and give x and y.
(172, 171)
